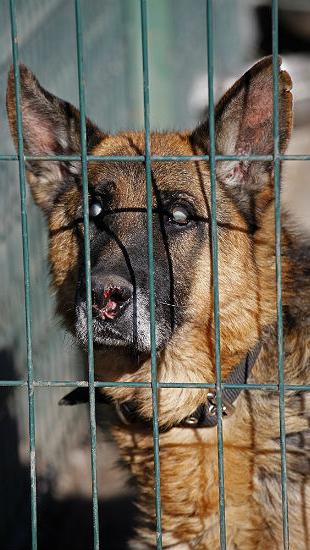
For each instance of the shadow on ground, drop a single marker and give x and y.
(66, 524)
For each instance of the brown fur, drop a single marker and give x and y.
(188, 458)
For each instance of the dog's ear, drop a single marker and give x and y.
(244, 125)
(51, 126)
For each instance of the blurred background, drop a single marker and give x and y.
(113, 67)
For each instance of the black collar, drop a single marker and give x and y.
(205, 416)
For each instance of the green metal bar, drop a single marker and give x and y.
(26, 268)
(249, 387)
(13, 383)
(275, 54)
(98, 384)
(148, 175)
(294, 157)
(141, 158)
(85, 384)
(91, 375)
(8, 157)
(214, 248)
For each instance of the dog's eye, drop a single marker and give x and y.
(179, 215)
(95, 209)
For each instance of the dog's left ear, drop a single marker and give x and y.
(51, 126)
(244, 125)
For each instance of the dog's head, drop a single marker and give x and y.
(181, 223)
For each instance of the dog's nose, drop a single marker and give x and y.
(111, 294)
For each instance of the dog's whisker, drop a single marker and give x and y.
(170, 304)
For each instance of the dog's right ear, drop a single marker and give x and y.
(51, 126)
(244, 126)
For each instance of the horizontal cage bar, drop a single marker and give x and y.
(202, 385)
(141, 158)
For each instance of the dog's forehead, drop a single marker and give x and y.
(129, 176)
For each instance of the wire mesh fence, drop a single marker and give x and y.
(31, 383)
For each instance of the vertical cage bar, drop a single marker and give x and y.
(26, 269)
(214, 249)
(148, 173)
(275, 54)
(91, 374)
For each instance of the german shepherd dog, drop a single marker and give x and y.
(184, 307)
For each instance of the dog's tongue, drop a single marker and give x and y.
(110, 309)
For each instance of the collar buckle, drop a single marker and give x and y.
(191, 421)
(206, 414)
(227, 408)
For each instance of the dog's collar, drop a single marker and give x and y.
(205, 416)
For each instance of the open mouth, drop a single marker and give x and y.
(114, 300)
(120, 319)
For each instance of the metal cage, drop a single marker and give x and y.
(32, 383)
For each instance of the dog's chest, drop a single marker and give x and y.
(189, 476)
(189, 481)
